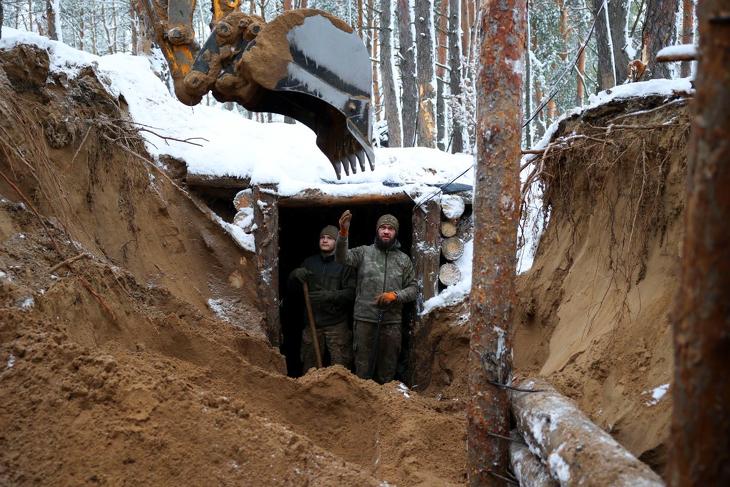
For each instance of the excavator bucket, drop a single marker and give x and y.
(305, 64)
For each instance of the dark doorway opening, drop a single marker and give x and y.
(299, 229)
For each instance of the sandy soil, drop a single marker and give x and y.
(593, 312)
(144, 362)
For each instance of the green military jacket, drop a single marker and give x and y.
(379, 271)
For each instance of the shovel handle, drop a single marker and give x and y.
(312, 326)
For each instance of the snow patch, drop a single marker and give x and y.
(678, 50)
(657, 394)
(27, 303)
(11, 362)
(559, 467)
(452, 206)
(404, 390)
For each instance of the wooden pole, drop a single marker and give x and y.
(700, 437)
(496, 211)
(312, 325)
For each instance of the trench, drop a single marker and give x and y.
(299, 229)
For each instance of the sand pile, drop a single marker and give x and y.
(144, 360)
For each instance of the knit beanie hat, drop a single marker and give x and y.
(330, 230)
(387, 219)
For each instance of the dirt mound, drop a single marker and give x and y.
(143, 359)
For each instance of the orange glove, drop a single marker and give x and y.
(387, 298)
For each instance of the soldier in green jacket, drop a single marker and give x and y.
(386, 280)
(331, 293)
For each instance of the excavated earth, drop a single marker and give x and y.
(142, 360)
(594, 311)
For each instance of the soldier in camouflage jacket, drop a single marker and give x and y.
(385, 281)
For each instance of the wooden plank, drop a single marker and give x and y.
(426, 252)
(315, 198)
(266, 237)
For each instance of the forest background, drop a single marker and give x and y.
(424, 52)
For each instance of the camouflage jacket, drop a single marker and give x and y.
(378, 271)
(337, 281)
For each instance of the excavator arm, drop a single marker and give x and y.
(305, 64)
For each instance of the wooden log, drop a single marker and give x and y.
(316, 198)
(452, 206)
(681, 52)
(425, 250)
(266, 237)
(448, 228)
(528, 469)
(449, 274)
(452, 248)
(576, 451)
(243, 199)
(222, 182)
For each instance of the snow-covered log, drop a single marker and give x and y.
(576, 451)
(528, 469)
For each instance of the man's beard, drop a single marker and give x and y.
(384, 245)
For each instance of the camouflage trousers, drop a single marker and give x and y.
(335, 339)
(388, 350)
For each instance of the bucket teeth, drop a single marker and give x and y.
(345, 166)
(353, 162)
(371, 160)
(361, 159)
(338, 169)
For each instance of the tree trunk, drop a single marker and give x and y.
(496, 217)
(425, 73)
(407, 65)
(606, 76)
(374, 50)
(658, 33)
(577, 451)
(687, 33)
(390, 99)
(134, 27)
(441, 74)
(456, 101)
(700, 453)
(617, 17)
(51, 19)
(2, 18)
(467, 25)
(528, 77)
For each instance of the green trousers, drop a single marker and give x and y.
(389, 343)
(335, 339)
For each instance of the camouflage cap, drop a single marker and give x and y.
(330, 230)
(387, 219)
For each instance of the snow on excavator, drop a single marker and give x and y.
(305, 64)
